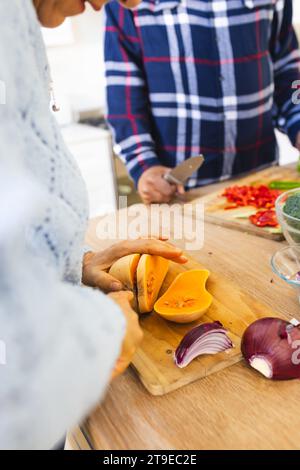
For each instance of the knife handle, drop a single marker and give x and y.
(170, 179)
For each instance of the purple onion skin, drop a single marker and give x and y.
(193, 335)
(268, 338)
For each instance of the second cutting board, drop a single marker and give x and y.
(238, 218)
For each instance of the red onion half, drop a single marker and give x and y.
(208, 338)
(272, 347)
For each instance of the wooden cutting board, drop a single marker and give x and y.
(238, 218)
(154, 361)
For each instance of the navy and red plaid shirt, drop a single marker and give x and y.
(201, 76)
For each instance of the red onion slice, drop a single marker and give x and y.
(208, 338)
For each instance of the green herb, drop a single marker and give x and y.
(298, 165)
(284, 185)
(292, 209)
(292, 206)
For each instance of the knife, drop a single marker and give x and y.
(182, 172)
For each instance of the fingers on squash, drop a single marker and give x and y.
(125, 270)
(186, 299)
(143, 275)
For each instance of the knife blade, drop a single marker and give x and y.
(182, 172)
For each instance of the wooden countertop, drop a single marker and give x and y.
(233, 409)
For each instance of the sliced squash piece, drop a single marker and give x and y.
(151, 272)
(186, 299)
(125, 270)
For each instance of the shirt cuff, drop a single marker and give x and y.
(86, 249)
(137, 170)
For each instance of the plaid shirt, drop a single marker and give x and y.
(201, 76)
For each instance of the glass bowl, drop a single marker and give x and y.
(286, 264)
(290, 225)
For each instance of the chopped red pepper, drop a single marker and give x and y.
(260, 197)
(264, 218)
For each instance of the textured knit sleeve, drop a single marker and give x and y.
(61, 341)
(58, 341)
(127, 93)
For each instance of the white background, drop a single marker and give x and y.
(297, 11)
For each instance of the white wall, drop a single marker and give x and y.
(289, 154)
(296, 11)
(76, 61)
(77, 68)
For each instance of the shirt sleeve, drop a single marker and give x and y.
(286, 59)
(127, 94)
(58, 342)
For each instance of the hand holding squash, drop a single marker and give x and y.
(134, 334)
(96, 265)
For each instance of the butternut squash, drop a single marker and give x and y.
(125, 270)
(186, 299)
(151, 272)
(143, 275)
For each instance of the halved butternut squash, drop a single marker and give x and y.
(143, 275)
(125, 270)
(151, 272)
(186, 299)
